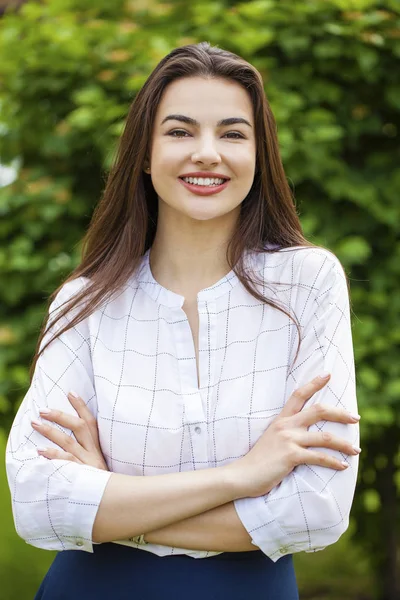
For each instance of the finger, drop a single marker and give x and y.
(325, 439)
(300, 396)
(323, 412)
(83, 411)
(75, 424)
(60, 439)
(323, 460)
(52, 453)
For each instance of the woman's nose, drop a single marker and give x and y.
(206, 152)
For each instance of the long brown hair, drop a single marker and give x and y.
(124, 222)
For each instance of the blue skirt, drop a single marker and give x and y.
(125, 573)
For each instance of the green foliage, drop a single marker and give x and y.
(341, 572)
(68, 72)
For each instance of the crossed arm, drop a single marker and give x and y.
(218, 530)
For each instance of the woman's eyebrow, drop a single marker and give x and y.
(190, 121)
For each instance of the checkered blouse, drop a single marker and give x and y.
(133, 362)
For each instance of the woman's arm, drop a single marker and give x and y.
(59, 504)
(310, 508)
(217, 530)
(132, 505)
(54, 502)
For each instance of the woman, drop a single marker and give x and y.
(194, 332)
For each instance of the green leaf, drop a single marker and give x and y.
(354, 249)
(372, 501)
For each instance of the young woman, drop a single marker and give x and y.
(209, 346)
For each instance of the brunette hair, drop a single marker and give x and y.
(124, 222)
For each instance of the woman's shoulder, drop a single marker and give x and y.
(68, 290)
(298, 264)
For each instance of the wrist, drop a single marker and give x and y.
(232, 480)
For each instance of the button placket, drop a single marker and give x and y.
(208, 343)
(194, 411)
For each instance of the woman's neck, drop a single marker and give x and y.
(189, 259)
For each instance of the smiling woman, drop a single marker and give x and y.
(193, 331)
(224, 148)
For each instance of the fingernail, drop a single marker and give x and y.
(324, 375)
(356, 448)
(45, 411)
(37, 423)
(41, 449)
(355, 417)
(74, 395)
(345, 464)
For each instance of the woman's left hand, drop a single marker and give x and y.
(85, 449)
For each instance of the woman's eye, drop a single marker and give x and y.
(176, 131)
(235, 133)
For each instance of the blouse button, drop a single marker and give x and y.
(197, 429)
(79, 543)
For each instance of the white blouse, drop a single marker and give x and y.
(133, 362)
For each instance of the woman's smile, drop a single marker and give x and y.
(204, 189)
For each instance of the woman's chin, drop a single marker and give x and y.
(202, 209)
(206, 210)
(204, 215)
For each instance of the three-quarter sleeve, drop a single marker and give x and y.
(55, 502)
(310, 508)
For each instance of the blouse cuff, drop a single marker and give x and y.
(263, 528)
(83, 504)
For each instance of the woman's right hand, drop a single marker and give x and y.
(284, 444)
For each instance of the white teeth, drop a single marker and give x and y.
(207, 181)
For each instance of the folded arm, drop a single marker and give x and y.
(217, 530)
(59, 504)
(310, 508)
(54, 502)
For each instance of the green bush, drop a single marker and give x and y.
(68, 72)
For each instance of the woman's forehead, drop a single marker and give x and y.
(201, 99)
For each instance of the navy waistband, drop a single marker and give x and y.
(252, 555)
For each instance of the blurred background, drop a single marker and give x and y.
(69, 70)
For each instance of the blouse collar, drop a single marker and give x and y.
(168, 298)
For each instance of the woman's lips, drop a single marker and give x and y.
(204, 190)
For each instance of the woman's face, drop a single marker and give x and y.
(203, 145)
